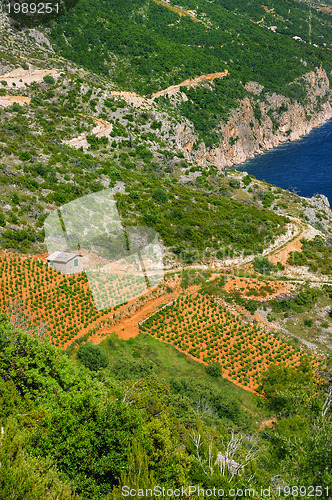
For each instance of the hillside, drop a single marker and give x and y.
(218, 374)
(176, 47)
(74, 432)
(66, 133)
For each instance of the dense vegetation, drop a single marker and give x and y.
(189, 219)
(316, 254)
(161, 48)
(206, 108)
(76, 433)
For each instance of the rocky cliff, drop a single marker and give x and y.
(263, 121)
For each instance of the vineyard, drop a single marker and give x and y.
(115, 289)
(63, 303)
(200, 327)
(34, 294)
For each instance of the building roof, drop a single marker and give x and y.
(62, 257)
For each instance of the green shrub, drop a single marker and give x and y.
(36, 100)
(234, 183)
(247, 180)
(262, 265)
(49, 79)
(160, 194)
(2, 220)
(92, 356)
(297, 259)
(280, 266)
(268, 199)
(25, 156)
(214, 369)
(15, 199)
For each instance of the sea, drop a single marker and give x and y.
(303, 166)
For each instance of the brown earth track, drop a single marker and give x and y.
(324, 8)
(180, 11)
(138, 100)
(103, 129)
(21, 77)
(295, 245)
(128, 327)
(18, 99)
(190, 83)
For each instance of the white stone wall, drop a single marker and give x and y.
(68, 268)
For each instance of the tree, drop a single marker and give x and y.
(214, 369)
(262, 265)
(160, 195)
(278, 379)
(92, 356)
(2, 219)
(49, 79)
(23, 476)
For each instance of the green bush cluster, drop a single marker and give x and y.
(92, 356)
(316, 254)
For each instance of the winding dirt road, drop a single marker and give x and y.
(138, 100)
(189, 83)
(180, 11)
(103, 129)
(21, 77)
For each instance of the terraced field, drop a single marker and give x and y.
(34, 294)
(63, 303)
(200, 327)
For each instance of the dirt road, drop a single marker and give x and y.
(21, 77)
(180, 11)
(103, 129)
(139, 101)
(7, 101)
(189, 83)
(293, 245)
(128, 327)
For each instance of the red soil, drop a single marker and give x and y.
(63, 303)
(255, 288)
(199, 327)
(282, 254)
(128, 326)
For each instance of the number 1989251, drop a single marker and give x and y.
(304, 491)
(30, 8)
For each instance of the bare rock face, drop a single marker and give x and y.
(316, 207)
(40, 39)
(321, 202)
(259, 125)
(254, 88)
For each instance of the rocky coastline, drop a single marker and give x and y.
(259, 125)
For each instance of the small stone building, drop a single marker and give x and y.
(66, 262)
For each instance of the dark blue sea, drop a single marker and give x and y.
(303, 166)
